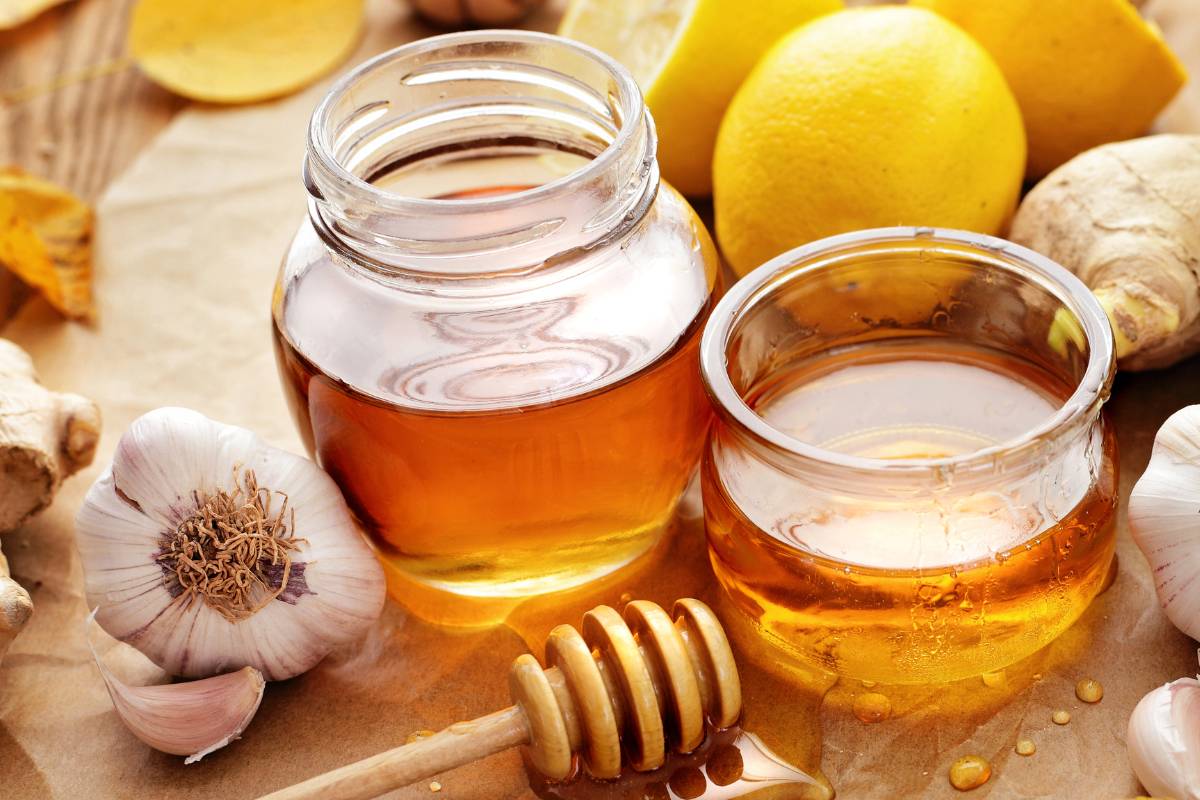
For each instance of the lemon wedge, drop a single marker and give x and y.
(689, 57)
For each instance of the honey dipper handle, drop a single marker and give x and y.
(459, 744)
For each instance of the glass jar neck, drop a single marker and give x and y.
(479, 153)
(871, 287)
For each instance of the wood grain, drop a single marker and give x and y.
(72, 109)
(84, 133)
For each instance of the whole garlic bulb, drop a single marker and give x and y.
(475, 13)
(209, 550)
(1164, 516)
(1164, 740)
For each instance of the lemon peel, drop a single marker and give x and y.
(1085, 72)
(45, 240)
(866, 118)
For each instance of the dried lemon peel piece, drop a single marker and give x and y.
(18, 12)
(229, 51)
(46, 240)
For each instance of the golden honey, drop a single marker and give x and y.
(501, 501)
(845, 593)
(910, 480)
(970, 772)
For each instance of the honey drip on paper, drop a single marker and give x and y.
(729, 764)
(872, 707)
(970, 772)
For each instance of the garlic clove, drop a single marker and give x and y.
(186, 719)
(147, 525)
(1164, 740)
(1164, 517)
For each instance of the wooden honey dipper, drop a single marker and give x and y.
(638, 673)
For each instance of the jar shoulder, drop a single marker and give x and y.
(595, 318)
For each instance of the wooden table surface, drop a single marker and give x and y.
(72, 108)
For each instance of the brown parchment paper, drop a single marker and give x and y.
(189, 240)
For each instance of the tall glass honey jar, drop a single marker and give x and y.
(487, 327)
(910, 479)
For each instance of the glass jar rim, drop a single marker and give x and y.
(628, 98)
(1079, 409)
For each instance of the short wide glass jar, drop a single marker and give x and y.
(910, 479)
(488, 326)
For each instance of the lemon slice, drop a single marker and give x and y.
(689, 57)
(232, 51)
(637, 33)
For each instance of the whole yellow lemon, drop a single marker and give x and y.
(866, 118)
(1085, 72)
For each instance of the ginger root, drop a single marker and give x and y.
(15, 607)
(1125, 218)
(45, 436)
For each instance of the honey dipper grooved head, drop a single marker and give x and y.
(644, 675)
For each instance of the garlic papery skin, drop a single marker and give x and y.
(1164, 517)
(209, 550)
(1164, 740)
(186, 719)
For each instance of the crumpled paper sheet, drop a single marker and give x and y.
(189, 242)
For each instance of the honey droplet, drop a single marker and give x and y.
(970, 772)
(1026, 747)
(872, 707)
(625, 599)
(725, 765)
(1089, 691)
(688, 783)
(1061, 717)
(434, 786)
(417, 736)
(993, 680)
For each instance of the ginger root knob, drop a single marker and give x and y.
(1125, 218)
(15, 607)
(45, 436)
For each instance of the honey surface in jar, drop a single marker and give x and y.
(919, 591)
